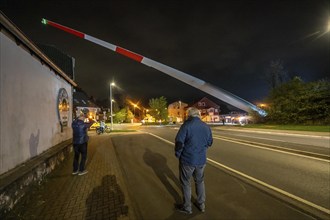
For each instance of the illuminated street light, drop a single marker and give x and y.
(134, 109)
(111, 100)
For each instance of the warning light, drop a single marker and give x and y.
(44, 21)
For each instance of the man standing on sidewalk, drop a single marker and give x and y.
(80, 140)
(191, 143)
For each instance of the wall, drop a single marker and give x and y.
(29, 123)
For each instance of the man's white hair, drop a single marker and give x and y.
(193, 112)
(81, 115)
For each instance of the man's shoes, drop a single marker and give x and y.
(75, 172)
(201, 207)
(83, 172)
(183, 210)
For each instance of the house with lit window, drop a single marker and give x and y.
(81, 102)
(176, 111)
(210, 111)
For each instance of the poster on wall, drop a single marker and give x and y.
(63, 107)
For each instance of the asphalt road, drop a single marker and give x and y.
(317, 143)
(247, 177)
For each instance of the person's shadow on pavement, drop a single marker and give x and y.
(106, 201)
(158, 163)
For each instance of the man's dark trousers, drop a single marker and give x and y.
(79, 149)
(197, 172)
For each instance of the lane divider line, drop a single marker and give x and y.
(274, 132)
(271, 148)
(297, 198)
(160, 138)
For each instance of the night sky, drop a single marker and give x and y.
(228, 43)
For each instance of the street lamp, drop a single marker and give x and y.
(134, 105)
(111, 84)
(134, 109)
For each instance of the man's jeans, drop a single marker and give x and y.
(79, 149)
(186, 172)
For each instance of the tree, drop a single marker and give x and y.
(283, 101)
(298, 102)
(158, 108)
(120, 116)
(316, 102)
(276, 74)
(129, 115)
(124, 115)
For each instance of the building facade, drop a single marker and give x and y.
(210, 111)
(81, 102)
(176, 111)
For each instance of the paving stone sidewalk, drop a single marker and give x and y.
(100, 194)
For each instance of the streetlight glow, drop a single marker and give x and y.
(111, 100)
(135, 105)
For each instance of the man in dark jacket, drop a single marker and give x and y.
(191, 143)
(80, 140)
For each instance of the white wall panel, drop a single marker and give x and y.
(29, 122)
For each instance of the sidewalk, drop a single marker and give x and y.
(100, 194)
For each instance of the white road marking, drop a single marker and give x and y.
(278, 133)
(169, 142)
(276, 150)
(297, 198)
(267, 139)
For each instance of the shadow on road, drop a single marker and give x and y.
(158, 163)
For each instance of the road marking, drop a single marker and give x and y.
(169, 142)
(276, 150)
(267, 139)
(277, 140)
(297, 198)
(275, 132)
